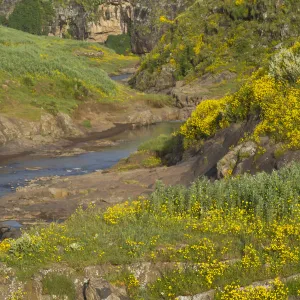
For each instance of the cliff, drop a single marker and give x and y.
(138, 18)
(110, 18)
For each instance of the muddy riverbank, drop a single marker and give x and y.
(54, 192)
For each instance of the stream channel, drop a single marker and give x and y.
(17, 172)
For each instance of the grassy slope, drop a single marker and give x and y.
(250, 220)
(54, 74)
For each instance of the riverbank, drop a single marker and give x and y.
(37, 172)
(56, 198)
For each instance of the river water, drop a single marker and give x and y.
(17, 172)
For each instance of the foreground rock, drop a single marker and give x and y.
(7, 231)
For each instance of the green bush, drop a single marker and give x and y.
(27, 16)
(3, 20)
(120, 43)
(32, 16)
(285, 65)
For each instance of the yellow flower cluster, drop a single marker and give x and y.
(275, 292)
(117, 213)
(276, 103)
(4, 246)
(205, 120)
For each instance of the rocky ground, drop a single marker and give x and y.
(47, 199)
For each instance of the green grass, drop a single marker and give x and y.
(119, 43)
(58, 285)
(52, 74)
(87, 124)
(160, 144)
(125, 235)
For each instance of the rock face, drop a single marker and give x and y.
(7, 7)
(113, 17)
(7, 231)
(46, 130)
(146, 31)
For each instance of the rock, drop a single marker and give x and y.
(99, 289)
(66, 124)
(9, 232)
(18, 135)
(58, 193)
(145, 31)
(144, 118)
(229, 163)
(4, 87)
(210, 295)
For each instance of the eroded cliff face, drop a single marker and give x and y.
(139, 18)
(111, 18)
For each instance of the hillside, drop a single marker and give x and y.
(211, 211)
(52, 88)
(224, 39)
(207, 240)
(53, 74)
(240, 63)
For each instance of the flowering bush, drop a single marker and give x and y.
(277, 103)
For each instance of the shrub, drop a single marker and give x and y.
(27, 16)
(120, 43)
(205, 120)
(32, 16)
(285, 65)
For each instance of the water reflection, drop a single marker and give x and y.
(18, 172)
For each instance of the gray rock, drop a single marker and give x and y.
(9, 232)
(230, 162)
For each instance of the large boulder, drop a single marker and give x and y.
(9, 230)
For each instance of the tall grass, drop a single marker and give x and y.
(24, 54)
(53, 74)
(269, 196)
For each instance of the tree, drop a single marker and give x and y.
(27, 16)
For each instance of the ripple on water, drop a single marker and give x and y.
(18, 172)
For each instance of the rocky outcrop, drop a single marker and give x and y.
(48, 129)
(7, 231)
(110, 18)
(113, 17)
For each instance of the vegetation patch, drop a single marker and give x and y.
(215, 235)
(119, 43)
(58, 285)
(236, 36)
(48, 74)
(272, 96)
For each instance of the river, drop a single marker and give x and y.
(17, 172)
